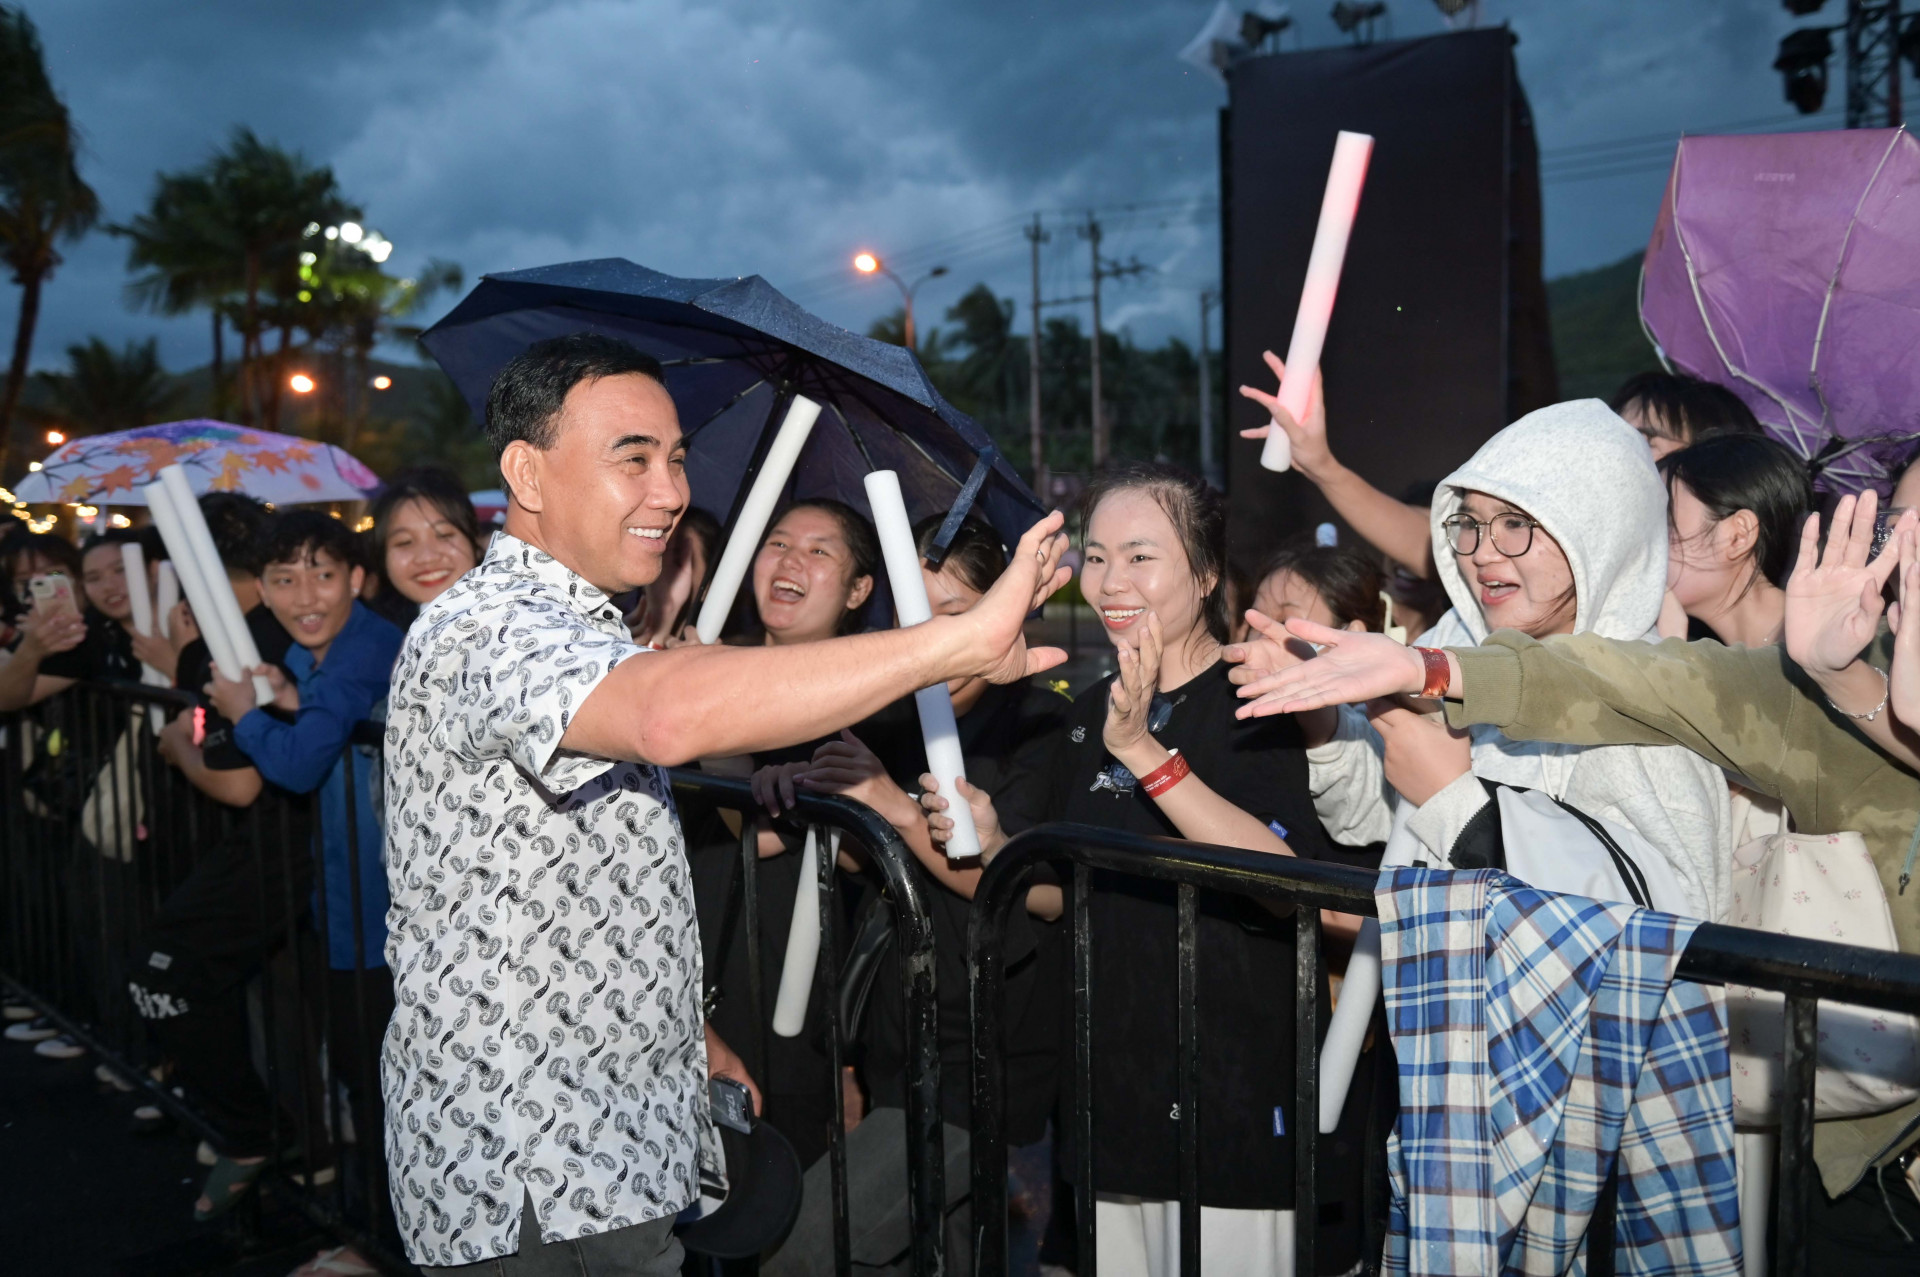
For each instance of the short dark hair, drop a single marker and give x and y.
(1197, 511)
(112, 536)
(237, 523)
(1729, 473)
(441, 490)
(526, 397)
(703, 527)
(300, 536)
(863, 547)
(975, 554)
(1348, 582)
(1685, 408)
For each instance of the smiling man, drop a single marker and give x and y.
(546, 1068)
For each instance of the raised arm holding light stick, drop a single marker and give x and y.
(939, 732)
(192, 527)
(1338, 207)
(193, 581)
(743, 540)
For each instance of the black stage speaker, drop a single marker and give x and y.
(1439, 337)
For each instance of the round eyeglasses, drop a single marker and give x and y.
(1512, 533)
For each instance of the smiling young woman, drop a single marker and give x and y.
(1154, 749)
(425, 537)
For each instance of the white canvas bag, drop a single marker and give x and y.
(1818, 887)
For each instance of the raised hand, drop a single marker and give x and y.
(1274, 650)
(999, 648)
(1309, 437)
(47, 633)
(1351, 667)
(1422, 756)
(1903, 680)
(1833, 598)
(847, 767)
(1130, 697)
(986, 821)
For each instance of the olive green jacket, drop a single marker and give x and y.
(1756, 714)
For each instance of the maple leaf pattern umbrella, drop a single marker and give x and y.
(1787, 268)
(110, 469)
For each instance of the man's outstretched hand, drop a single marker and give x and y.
(1351, 667)
(997, 648)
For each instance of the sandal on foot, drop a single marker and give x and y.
(227, 1183)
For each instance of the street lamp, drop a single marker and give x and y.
(55, 438)
(300, 384)
(868, 264)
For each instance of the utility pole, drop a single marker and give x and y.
(1036, 437)
(1209, 466)
(1102, 270)
(1091, 232)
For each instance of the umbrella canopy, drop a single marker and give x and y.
(110, 469)
(1787, 268)
(734, 351)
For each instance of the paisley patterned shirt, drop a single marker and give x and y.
(542, 940)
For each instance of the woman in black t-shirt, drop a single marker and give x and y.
(1004, 736)
(811, 580)
(1155, 749)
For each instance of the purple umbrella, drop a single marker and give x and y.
(1787, 268)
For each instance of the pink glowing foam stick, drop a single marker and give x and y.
(1351, 151)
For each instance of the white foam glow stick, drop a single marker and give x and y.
(1359, 990)
(1351, 151)
(134, 560)
(744, 543)
(938, 730)
(803, 942)
(213, 574)
(167, 519)
(169, 597)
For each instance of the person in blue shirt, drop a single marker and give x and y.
(341, 662)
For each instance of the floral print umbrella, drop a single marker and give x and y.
(111, 469)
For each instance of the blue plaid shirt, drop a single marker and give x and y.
(1541, 1037)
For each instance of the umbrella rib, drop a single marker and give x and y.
(1833, 281)
(1706, 321)
(906, 438)
(713, 416)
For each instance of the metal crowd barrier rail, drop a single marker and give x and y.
(97, 829)
(1803, 970)
(913, 936)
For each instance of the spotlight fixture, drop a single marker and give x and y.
(1803, 64)
(1356, 18)
(1258, 28)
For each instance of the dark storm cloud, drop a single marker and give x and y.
(732, 137)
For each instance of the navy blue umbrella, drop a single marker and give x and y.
(735, 352)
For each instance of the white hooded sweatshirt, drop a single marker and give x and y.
(1589, 479)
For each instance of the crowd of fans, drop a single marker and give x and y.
(1555, 559)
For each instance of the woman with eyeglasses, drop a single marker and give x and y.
(1558, 525)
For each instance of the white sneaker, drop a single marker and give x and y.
(35, 1030)
(16, 1010)
(205, 1154)
(60, 1048)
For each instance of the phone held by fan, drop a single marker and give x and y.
(52, 594)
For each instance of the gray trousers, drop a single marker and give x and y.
(876, 1205)
(642, 1250)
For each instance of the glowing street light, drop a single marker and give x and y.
(300, 384)
(55, 437)
(383, 382)
(868, 264)
(351, 232)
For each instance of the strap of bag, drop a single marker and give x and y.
(729, 923)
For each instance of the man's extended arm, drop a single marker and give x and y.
(688, 702)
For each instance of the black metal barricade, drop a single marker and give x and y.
(97, 828)
(1803, 970)
(913, 936)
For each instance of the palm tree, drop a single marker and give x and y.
(182, 259)
(43, 199)
(106, 389)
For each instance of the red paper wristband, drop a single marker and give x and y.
(1438, 675)
(1166, 775)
